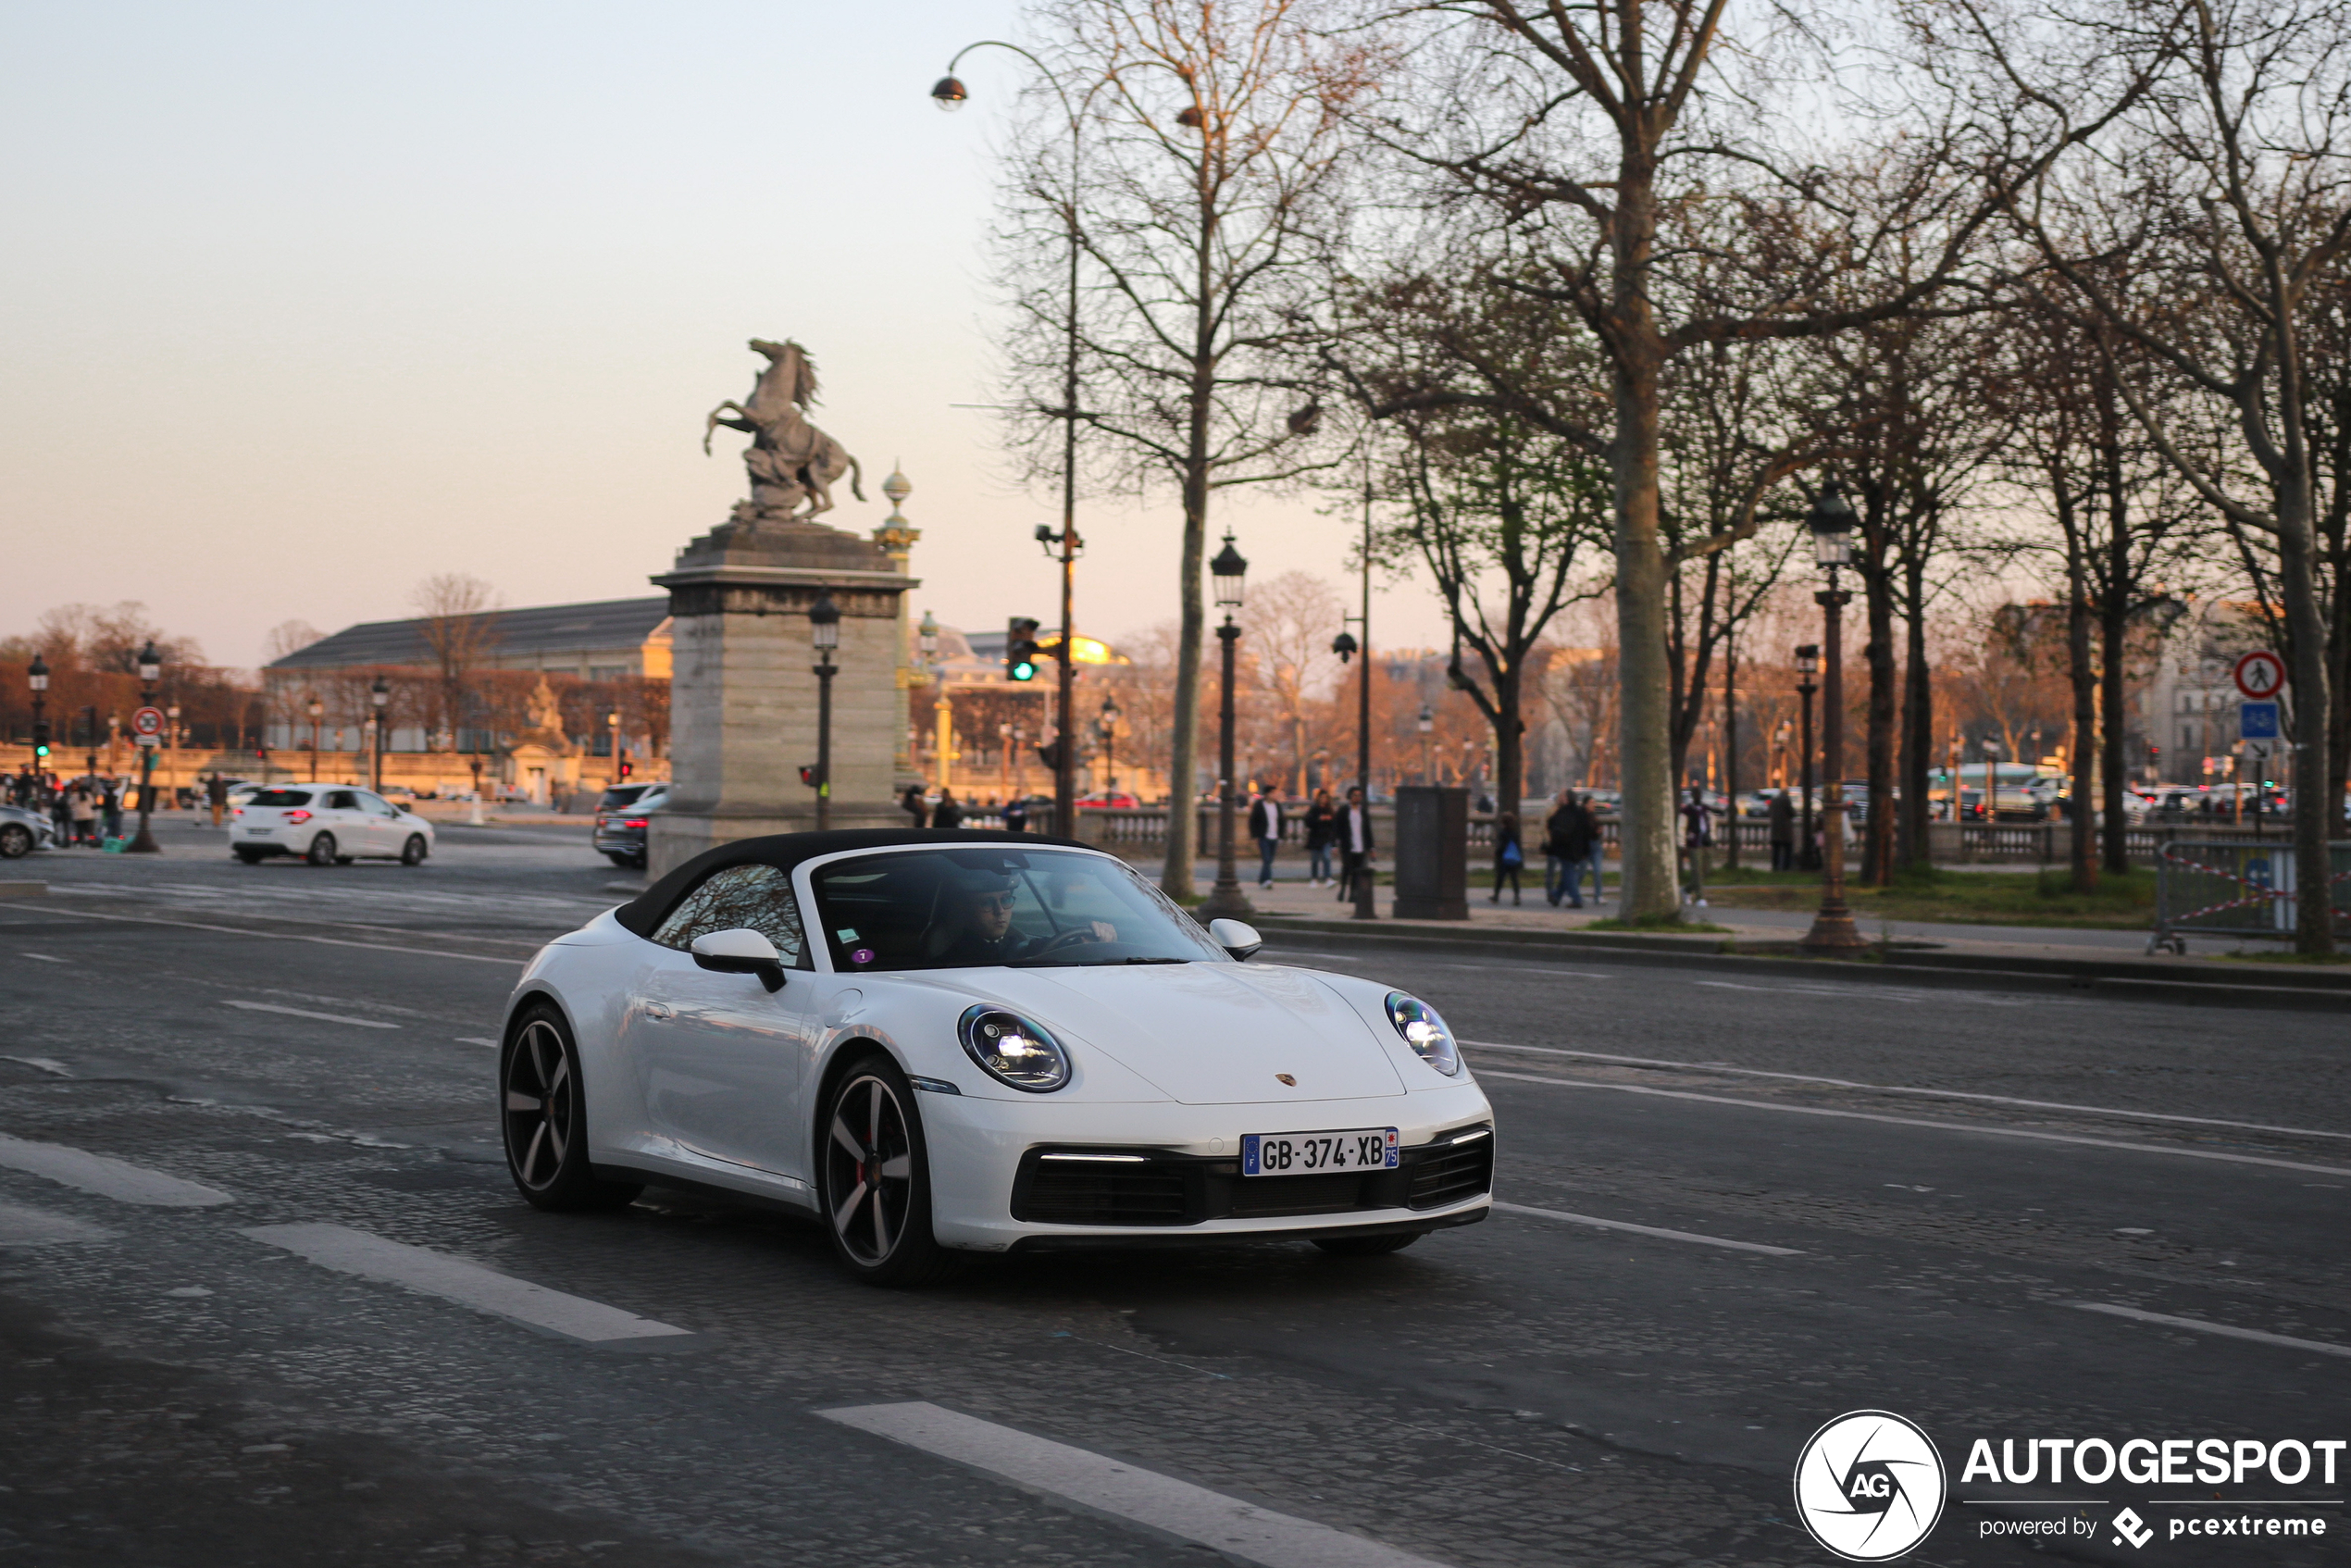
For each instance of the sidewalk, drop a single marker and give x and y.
(1296, 900)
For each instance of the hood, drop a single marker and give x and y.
(1211, 1034)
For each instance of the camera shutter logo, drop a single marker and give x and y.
(1868, 1486)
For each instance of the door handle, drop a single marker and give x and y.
(657, 1010)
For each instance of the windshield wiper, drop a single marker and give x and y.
(1054, 963)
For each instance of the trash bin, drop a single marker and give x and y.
(1432, 853)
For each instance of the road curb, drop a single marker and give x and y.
(2120, 978)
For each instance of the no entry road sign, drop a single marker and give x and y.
(2261, 675)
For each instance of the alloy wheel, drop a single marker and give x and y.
(869, 1169)
(538, 1089)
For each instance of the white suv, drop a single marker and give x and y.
(327, 825)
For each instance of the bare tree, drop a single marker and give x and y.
(290, 637)
(1292, 622)
(460, 627)
(2203, 213)
(1207, 202)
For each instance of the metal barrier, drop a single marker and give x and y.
(2235, 888)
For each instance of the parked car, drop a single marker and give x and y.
(1035, 1050)
(327, 825)
(22, 831)
(624, 814)
(399, 795)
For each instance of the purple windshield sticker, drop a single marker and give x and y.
(863, 955)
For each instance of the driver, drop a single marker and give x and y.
(978, 926)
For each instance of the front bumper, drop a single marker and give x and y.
(993, 1190)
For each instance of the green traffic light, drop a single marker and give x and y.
(1024, 670)
(40, 750)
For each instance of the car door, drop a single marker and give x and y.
(720, 1058)
(381, 823)
(339, 814)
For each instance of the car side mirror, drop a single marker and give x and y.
(1235, 936)
(740, 951)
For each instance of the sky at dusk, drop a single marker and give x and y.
(305, 303)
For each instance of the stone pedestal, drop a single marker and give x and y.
(743, 686)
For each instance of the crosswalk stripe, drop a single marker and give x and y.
(347, 1251)
(106, 1177)
(1127, 1492)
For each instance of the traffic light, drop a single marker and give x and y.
(1020, 649)
(41, 739)
(627, 767)
(808, 774)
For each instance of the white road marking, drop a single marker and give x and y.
(20, 1226)
(476, 1040)
(2198, 1324)
(453, 1279)
(1900, 1088)
(1986, 1128)
(1090, 1481)
(1651, 1230)
(305, 1013)
(56, 1069)
(44, 958)
(106, 1177)
(284, 936)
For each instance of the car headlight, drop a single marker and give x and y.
(1013, 1050)
(1424, 1032)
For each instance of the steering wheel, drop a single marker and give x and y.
(1068, 938)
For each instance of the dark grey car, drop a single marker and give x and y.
(622, 816)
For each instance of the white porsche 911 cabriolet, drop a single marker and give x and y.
(948, 1042)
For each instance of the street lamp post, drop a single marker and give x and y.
(1346, 647)
(379, 698)
(927, 637)
(1808, 665)
(37, 677)
(611, 744)
(1108, 726)
(318, 711)
(1226, 902)
(1425, 723)
(949, 94)
(823, 634)
(150, 671)
(1831, 520)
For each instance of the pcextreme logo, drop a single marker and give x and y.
(1868, 1486)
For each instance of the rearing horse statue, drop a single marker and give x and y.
(790, 459)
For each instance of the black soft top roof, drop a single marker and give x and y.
(644, 914)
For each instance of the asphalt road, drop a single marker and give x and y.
(1957, 1229)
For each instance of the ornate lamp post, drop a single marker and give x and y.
(1226, 902)
(150, 671)
(1425, 723)
(379, 698)
(1808, 665)
(318, 711)
(1346, 647)
(611, 748)
(823, 634)
(1831, 520)
(37, 677)
(1107, 727)
(941, 711)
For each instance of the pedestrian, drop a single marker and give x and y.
(1265, 827)
(1783, 822)
(1016, 814)
(61, 814)
(1355, 842)
(216, 794)
(1566, 834)
(110, 803)
(1589, 822)
(1698, 832)
(946, 815)
(85, 813)
(1509, 855)
(912, 802)
(1322, 831)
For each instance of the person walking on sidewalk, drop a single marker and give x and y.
(911, 803)
(110, 804)
(1782, 818)
(1595, 853)
(1509, 855)
(1322, 829)
(1354, 842)
(85, 813)
(216, 794)
(946, 815)
(1698, 832)
(1265, 827)
(1567, 843)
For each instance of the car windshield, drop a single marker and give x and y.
(964, 908)
(280, 798)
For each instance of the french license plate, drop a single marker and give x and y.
(257, 832)
(1305, 1153)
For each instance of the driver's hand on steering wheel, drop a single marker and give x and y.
(1104, 931)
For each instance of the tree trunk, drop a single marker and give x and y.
(1731, 752)
(1509, 742)
(1918, 720)
(1877, 583)
(1183, 786)
(2082, 677)
(2317, 801)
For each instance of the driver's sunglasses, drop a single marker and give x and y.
(997, 900)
